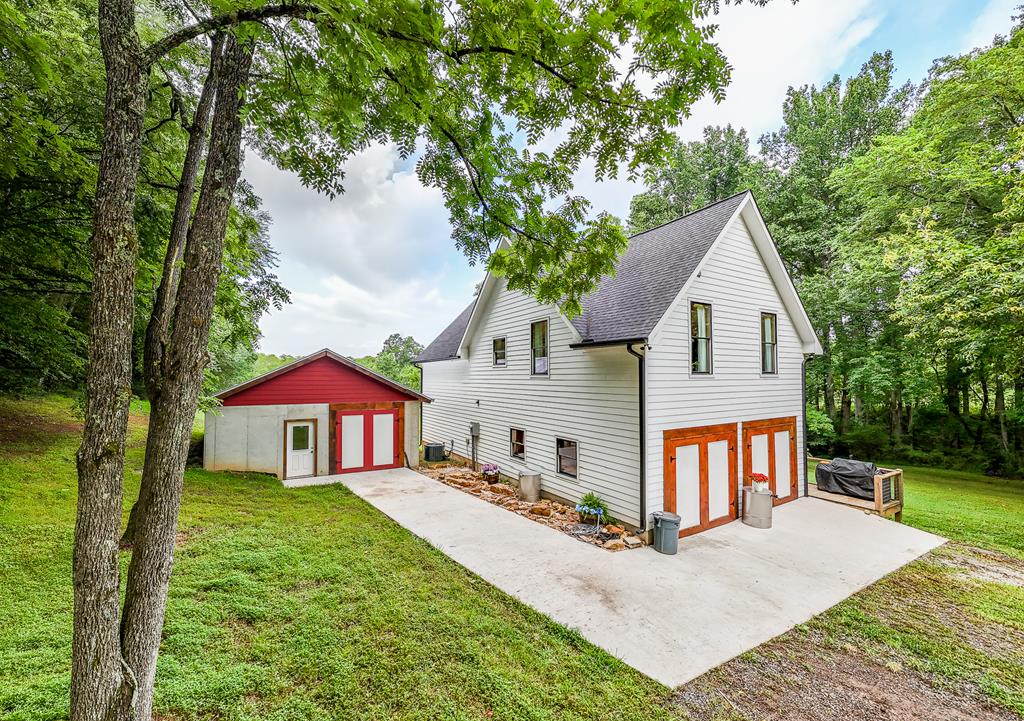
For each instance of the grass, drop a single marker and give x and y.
(972, 508)
(291, 605)
(313, 605)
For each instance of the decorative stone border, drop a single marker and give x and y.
(551, 513)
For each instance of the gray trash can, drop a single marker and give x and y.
(529, 486)
(666, 532)
(757, 507)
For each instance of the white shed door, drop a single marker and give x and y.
(301, 449)
(383, 439)
(352, 429)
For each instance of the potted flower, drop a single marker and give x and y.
(593, 510)
(490, 472)
(760, 482)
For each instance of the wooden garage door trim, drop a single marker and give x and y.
(769, 426)
(398, 406)
(701, 435)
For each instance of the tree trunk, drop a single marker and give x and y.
(896, 416)
(1004, 435)
(163, 304)
(97, 683)
(844, 418)
(185, 356)
(828, 384)
(858, 409)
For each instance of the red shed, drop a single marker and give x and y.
(319, 415)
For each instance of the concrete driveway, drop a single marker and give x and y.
(671, 617)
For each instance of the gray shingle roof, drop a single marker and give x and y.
(648, 277)
(446, 345)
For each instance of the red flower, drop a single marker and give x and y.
(758, 478)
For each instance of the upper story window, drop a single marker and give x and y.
(700, 338)
(539, 348)
(517, 443)
(498, 351)
(769, 344)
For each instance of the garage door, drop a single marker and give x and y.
(367, 440)
(769, 447)
(700, 476)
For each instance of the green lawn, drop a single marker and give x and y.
(963, 506)
(312, 605)
(289, 605)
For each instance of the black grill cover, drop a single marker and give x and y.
(848, 477)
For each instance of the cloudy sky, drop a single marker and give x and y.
(379, 258)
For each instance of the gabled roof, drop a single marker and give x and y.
(446, 345)
(650, 277)
(323, 353)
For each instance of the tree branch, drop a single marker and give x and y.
(218, 22)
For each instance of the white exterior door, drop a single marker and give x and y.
(769, 448)
(301, 445)
(700, 476)
(353, 428)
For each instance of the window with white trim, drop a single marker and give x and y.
(769, 344)
(700, 338)
(567, 457)
(517, 443)
(498, 351)
(539, 348)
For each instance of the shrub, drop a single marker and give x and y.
(866, 442)
(593, 508)
(821, 434)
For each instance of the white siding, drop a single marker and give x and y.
(589, 396)
(734, 280)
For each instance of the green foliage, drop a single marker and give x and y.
(588, 507)
(695, 174)
(395, 360)
(820, 431)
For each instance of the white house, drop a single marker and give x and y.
(683, 375)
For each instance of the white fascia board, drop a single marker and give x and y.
(780, 276)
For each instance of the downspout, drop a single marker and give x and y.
(803, 414)
(641, 396)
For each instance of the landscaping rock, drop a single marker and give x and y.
(502, 489)
(614, 529)
(540, 510)
(632, 542)
(615, 544)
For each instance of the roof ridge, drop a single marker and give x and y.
(692, 212)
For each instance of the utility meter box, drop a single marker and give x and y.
(474, 429)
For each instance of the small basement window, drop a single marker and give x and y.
(517, 443)
(498, 351)
(700, 338)
(566, 457)
(769, 344)
(539, 348)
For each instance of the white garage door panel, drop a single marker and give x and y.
(352, 442)
(688, 485)
(782, 476)
(718, 479)
(383, 439)
(759, 454)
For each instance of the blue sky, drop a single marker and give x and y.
(379, 258)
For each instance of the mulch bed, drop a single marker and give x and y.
(551, 513)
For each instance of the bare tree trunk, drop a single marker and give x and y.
(185, 356)
(1004, 435)
(896, 415)
(97, 682)
(828, 382)
(844, 405)
(163, 305)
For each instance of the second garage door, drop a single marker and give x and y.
(769, 447)
(700, 476)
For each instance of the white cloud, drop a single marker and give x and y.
(775, 47)
(380, 259)
(994, 20)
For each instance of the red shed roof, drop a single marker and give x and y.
(322, 377)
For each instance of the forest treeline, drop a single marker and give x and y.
(899, 211)
(897, 208)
